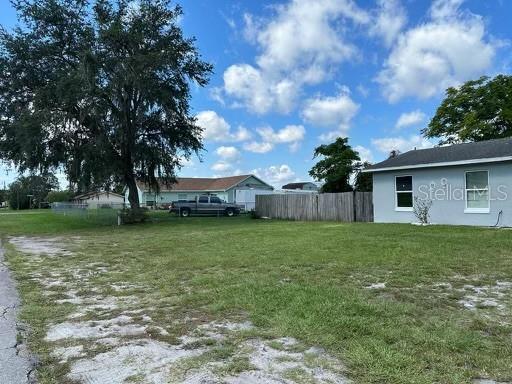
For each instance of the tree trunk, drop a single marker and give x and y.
(133, 194)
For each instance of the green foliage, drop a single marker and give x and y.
(364, 181)
(338, 163)
(59, 196)
(101, 88)
(133, 215)
(3, 195)
(30, 191)
(478, 110)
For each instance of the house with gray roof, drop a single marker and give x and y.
(468, 184)
(301, 186)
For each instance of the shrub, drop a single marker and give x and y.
(421, 209)
(133, 216)
(58, 196)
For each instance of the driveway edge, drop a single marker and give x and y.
(16, 363)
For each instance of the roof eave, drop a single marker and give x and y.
(441, 164)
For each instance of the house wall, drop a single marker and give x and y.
(103, 199)
(451, 182)
(245, 192)
(310, 187)
(250, 183)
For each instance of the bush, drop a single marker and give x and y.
(58, 196)
(421, 210)
(133, 216)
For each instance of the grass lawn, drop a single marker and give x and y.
(394, 303)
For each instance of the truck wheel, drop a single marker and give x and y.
(185, 213)
(230, 212)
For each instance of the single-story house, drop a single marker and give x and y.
(301, 186)
(233, 189)
(99, 199)
(468, 184)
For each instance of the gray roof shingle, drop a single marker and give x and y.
(417, 158)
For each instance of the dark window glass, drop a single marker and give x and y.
(477, 180)
(215, 200)
(404, 199)
(203, 199)
(404, 183)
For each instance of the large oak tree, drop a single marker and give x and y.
(100, 88)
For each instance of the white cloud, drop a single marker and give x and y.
(304, 35)
(228, 153)
(222, 166)
(450, 48)
(364, 153)
(388, 144)
(276, 175)
(218, 129)
(390, 18)
(291, 134)
(257, 147)
(299, 46)
(409, 119)
(186, 162)
(335, 112)
(445, 9)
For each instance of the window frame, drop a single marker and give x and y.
(216, 198)
(203, 197)
(488, 189)
(404, 209)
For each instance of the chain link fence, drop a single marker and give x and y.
(104, 214)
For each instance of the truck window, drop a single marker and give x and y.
(203, 199)
(215, 200)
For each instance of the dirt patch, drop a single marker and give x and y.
(40, 246)
(111, 337)
(496, 296)
(376, 286)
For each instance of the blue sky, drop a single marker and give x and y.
(291, 75)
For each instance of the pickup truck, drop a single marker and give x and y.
(204, 205)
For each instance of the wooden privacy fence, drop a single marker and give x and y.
(346, 206)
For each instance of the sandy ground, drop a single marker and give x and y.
(113, 339)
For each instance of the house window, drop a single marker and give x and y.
(403, 192)
(477, 192)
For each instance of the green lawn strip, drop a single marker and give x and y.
(305, 280)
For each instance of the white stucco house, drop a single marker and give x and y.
(233, 189)
(468, 184)
(99, 199)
